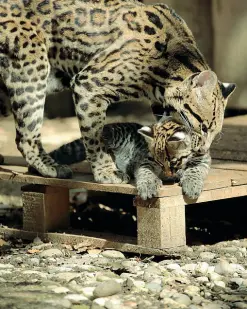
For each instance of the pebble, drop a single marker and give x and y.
(182, 299)
(98, 303)
(192, 290)
(202, 279)
(34, 261)
(60, 290)
(6, 266)
(154, 287)
(66, 276)
(107, 288)
(208, 256)
(51, 253)
(88, 292)
(76, 298)
(113, 254)
(173, 266)
(131, 283)
(240, 305)
(220, 284)
(223, 267)
(202, 268)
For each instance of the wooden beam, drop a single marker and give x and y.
(159, 225)
(45, 208)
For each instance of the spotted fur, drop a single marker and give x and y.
(105, 51)
(146, 154)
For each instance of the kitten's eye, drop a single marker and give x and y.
(204, 128)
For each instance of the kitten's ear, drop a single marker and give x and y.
(146, 132)
(227, 89)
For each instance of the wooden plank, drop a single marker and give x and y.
(18, 174)
(123, 245)
(158, 226)
(207, 196)
(45, 208)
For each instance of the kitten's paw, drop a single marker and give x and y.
(58, 171)
(191, 187)
(148, 188)
(111, 176)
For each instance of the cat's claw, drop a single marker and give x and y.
(148, 188)
(112, 176)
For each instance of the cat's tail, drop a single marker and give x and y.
(70, 153)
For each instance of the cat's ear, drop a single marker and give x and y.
(203, 85)
(227, 89)
(205, 81)
(146, 132)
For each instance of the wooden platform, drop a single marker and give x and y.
(161, 221)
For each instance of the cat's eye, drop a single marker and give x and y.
(204, 128)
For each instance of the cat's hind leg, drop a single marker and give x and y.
(26, 82)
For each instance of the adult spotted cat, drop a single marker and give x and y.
(106, 51)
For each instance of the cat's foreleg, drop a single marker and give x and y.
(147, 180)
(92, 94)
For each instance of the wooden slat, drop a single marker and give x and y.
(122, 243)
(218, 178)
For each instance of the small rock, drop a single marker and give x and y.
(223, 268)
(238, 281)
(131, 283)
(173, 266)
(220, 284)
(107, 288)
(202, 268)
(98, 303)
(76, 298)
(66, 276)
(113, 254)
(60, 290)
(37, 241)
(214, 276)
(113, 303)
(88, 292)
(240, 305)
(208, 256)
(182, 299)
(192, 290)
(6, 266)
(237, 268)
(202, 279)
(51, 253)
(153, 287)
(57, 303)
(34, 261)
(197, 300)
(189, 267)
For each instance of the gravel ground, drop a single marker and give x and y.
(43, 275)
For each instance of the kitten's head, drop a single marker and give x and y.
(169, 143)
(200, 101)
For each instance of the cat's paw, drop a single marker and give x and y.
(191, 187)
(111, 176)
(57, 171)
(148, 187)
